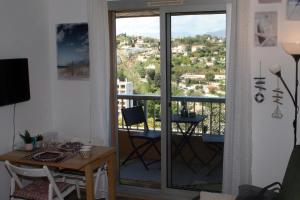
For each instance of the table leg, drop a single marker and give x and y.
(89, 183)
(186, 140)
(182, 157)
(111, 170)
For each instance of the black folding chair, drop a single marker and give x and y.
(135, 116)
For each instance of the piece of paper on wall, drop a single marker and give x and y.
(269, 1)
(265, 32)
(72, 51)
(293, 9)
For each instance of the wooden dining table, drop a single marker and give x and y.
(99, 157)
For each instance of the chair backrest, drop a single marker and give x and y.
(15, 172)
(134, 116)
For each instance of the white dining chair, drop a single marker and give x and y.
(43, 186)
(100, 176)
(100, 180)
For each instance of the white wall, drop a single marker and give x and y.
(24, 33)
(272, 138)
(71, 98)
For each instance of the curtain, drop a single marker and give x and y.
(99, 79)
(99, 71)
(238, 140)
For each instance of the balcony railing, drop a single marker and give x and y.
(212, 107)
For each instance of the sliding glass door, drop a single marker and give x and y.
(173, 65)
(196, 80)
(138, 84)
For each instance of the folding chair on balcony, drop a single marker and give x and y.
(135, 116)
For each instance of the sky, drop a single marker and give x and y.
(182, 26)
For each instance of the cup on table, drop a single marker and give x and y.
(85, 153)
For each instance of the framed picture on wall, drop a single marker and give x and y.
(72, 51)
(269, 1)
(265, 32)
(293, 9)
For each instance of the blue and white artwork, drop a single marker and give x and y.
(72, 51)
(293, 9)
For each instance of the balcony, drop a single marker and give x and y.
(208, 176)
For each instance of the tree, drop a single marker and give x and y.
(150, 74)
(157, 80)
(210, 76)
(121, 75)
(141, 70)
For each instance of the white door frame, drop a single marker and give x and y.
(165, 192)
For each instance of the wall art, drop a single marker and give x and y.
(293, 9)
(260, 86)
(277, 97)
(72, 51)
(266, 29)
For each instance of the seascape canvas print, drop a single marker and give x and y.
(72, 51)
(293, 9)
(265, 29)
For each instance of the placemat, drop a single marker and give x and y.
(66, 156)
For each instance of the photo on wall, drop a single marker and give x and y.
(293, 9)
(266, 29)
(269, 1)
(72, 51)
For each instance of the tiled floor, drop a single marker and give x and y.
(135, 174)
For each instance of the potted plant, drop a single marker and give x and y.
(28, 140)
(39, 140)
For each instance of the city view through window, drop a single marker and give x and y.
(138, 55)
(198, 49)
(198, 55)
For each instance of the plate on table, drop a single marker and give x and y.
(48, 156)
(71, 146)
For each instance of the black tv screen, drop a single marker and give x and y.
(14, 81)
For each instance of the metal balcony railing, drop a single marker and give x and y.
(212, 107)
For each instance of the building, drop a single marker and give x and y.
(124, 87)
(197, 47)
(220, 77)
(193, 76)
(180, 49)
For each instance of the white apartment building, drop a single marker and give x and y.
(124, 87)
(180, 49)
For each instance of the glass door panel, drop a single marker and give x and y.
(138, 84)
(197, 48)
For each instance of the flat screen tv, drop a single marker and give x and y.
(14, 81)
